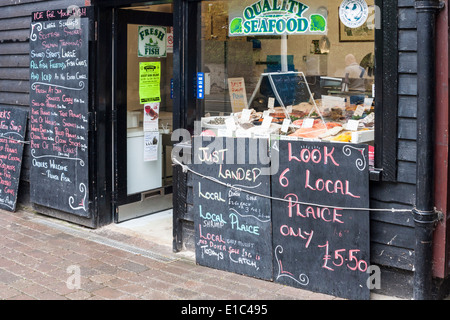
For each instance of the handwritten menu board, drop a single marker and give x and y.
(13, 124)
(321, 248)
(59, 98)
(232, 228)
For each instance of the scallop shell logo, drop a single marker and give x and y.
(236, 26)
(318, 23)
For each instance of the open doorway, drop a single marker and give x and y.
(143, 108)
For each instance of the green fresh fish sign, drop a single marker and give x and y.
(277, 17)
(152, 41)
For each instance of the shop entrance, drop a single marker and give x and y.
(143, 106)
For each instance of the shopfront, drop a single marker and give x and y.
(332, 81)
(330, 89)
(295, 75)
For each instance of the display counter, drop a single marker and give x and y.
(142, 175)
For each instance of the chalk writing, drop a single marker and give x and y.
(59, 98)
(233, 228)
(13, 122)
(312, 235)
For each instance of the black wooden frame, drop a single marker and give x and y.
(95, 218)
(103, 113)
(386, 96)
(122, 18)
(107, 194)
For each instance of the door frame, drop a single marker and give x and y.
(122, 19)
(183, 65)
(104, 100)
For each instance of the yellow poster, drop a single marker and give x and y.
(149, 82)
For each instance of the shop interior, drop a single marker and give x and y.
(148, 143)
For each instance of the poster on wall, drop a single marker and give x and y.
(238, 95)
(151, 142)
(169, 44)
(149, 82)
(152, 42)
(151, 116)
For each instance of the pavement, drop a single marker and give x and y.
(42, 258)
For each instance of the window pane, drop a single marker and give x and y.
(296, 59)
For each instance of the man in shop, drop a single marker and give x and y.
(354, 75)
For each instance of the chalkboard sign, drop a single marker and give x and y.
(291, 88)
(59, 120)
(13, 125)
(232, 227)
(317, 245)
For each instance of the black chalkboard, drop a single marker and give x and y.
(291, 88)
(59, 120)
(321, 248)
(13, 125)
(232, 227)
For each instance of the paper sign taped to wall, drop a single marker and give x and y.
(151, 115)
(151, 142)
(238, 95)
(149, 82)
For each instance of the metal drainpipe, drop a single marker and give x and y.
(424, 214)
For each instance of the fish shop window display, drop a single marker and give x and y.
(302, 69)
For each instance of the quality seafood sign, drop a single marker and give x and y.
(277, 17)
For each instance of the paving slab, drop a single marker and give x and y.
(47, 259)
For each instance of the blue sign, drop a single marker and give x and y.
(200, 85)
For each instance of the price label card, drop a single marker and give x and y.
(257, 135)
(369, 118)
(352, 125)
(224, 133)
(231, 126)
(359, 111)
(308, 123)
(368, 103)
(288, 138)
(285, 125)
(243, 134)
(266, 122)
(271, 103)
(289, 109)
(245, 116)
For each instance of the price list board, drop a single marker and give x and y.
(13, 125)
(232, 226)
(321, 231)
(59, 119)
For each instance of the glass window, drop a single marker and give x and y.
(290, 60)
